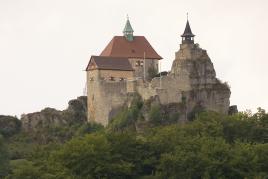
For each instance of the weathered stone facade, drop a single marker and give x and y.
(108, 74)
(49, 117)
(192, 80)
(140, 67)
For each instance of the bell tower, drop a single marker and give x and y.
(187, 36)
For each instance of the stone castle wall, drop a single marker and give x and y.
(192, 77)
(105, 99)
(139, 69)
(107, 74)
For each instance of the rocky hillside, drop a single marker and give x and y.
(49, 117)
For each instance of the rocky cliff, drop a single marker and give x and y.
(49, 117)
(193, 69)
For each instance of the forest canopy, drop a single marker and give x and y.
(211, 146)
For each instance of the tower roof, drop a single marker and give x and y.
(128, 31)
(187, 32)
(128, 28)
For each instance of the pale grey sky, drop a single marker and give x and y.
(45, 44)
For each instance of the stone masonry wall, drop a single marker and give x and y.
(192, 76)
(105, 99)
(139, 70)
(116, 74)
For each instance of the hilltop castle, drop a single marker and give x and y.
(129, 64)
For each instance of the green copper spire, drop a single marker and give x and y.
(128, 31)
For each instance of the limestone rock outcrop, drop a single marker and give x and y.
(193, 70)
(49, 117)
(193, 65)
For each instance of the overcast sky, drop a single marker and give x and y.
(46, 44)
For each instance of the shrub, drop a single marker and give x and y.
(155, 115)
(9, 125)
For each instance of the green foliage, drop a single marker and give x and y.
(3, 158)
(252, 128)
(24, 169)
(152, 72)
(211, 146)
(77, 111)
(87, 128)
(195, 111)
(9, 125)
(125, 120)
(122, 121)
(172, 118)
(155, 115)
(20, 146)
(211, 158)
(91, 157)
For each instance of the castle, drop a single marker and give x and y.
(129, 64)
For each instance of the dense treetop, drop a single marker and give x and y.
(210, 146)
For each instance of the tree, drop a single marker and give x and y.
(24, 169)
(9, 125)
(90, 157)
(4, 160)
(155, 115)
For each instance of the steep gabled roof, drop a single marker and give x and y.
(119, 46)
(109, 63)
(187, 31)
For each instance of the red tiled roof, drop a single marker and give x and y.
(109, 63)
(120, 47)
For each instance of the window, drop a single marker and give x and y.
(139, 63)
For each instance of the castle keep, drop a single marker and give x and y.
(129, 64)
